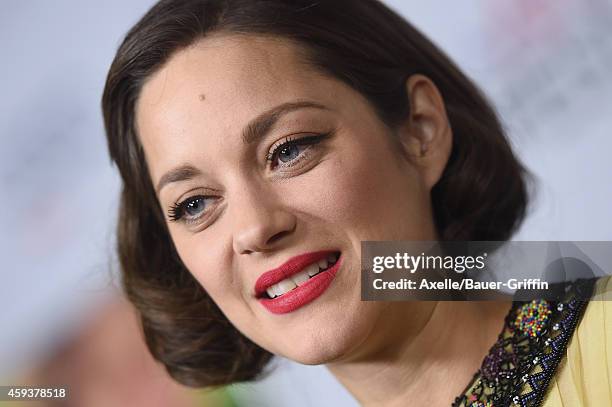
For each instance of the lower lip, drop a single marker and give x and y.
(303, 294)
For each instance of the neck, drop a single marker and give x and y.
(425, 362)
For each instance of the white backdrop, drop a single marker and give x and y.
(545, 64)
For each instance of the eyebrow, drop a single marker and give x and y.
(254, 131)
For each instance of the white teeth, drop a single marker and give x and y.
(271, 292)
(300, 278)
(312, 269)
(286, 285)
(276, 289)
(281, 287)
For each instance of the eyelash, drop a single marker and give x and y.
(177, 210)
(289, 142)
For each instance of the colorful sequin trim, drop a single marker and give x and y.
(532, 317)
(520, 365)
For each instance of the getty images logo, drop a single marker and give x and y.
(405, 261)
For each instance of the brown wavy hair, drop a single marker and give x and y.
(481, 195)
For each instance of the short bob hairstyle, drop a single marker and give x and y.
(480, 196)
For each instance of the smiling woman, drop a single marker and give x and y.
(259, 143)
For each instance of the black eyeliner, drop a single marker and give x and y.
(303, 141)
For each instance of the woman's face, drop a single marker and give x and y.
(268, 170)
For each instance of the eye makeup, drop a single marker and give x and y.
(285, 156)
(292, 148)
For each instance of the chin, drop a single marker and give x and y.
(317, 355)
(333, 341)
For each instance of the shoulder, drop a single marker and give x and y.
(583, 376)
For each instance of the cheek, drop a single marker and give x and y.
(381, 199)
(208, 263)
(362, 192)
(205, 261)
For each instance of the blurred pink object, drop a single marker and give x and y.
(108, 365)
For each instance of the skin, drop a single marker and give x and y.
(358, 184)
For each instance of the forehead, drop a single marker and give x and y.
(217, 85)
(227, 65)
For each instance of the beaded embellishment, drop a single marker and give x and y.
(520, 365)
(532, 317)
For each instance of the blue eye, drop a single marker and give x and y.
(191, 208)
(288, 153)
(194, 206)
(290, 149)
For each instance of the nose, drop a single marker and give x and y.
(261, 221)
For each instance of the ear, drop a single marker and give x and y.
(426, 134)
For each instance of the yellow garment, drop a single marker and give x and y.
(584, 376)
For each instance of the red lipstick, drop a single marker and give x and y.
(303, 293)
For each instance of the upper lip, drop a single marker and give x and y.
(292, 266)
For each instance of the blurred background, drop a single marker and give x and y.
(545, 64)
